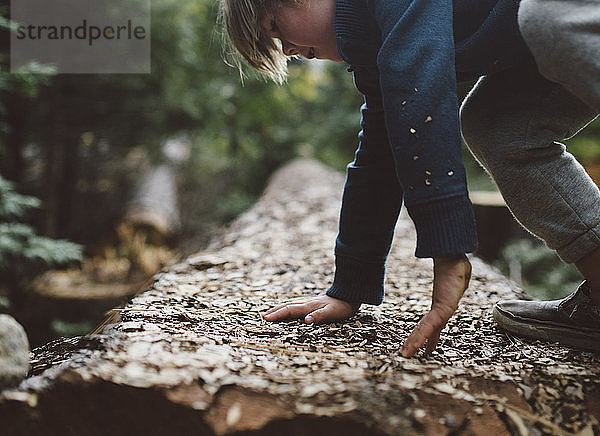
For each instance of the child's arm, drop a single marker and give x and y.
(418, 84)
(370, 206)
(418, 94)
(451, 277)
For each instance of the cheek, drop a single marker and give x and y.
(295, 27)
(295, 34)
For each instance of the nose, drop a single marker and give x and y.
(289, 49)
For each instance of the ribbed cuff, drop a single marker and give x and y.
(357, 281)
(445, 227)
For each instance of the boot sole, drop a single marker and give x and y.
(587, 339)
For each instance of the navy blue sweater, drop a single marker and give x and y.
(406, 56)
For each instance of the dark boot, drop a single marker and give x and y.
(572, 321)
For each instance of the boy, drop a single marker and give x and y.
(541, 83)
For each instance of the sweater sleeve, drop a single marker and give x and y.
(418, 85)
(370, 206)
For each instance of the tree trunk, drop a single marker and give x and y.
(191, 354)
(51, 159)
(15, 138)
(154, 202)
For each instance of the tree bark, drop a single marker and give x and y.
(191, 354)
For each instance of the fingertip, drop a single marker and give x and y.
(274, 315)
(309, 319)
(273, 309)
(404, 350)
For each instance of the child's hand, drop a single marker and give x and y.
(451, 277)
(321, 309)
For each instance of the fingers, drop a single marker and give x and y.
(433, 340)
(288, 311)
(316, 310)
(291, 310)
(322, 315)
(427, 330)
(279, 306)
(417, 338)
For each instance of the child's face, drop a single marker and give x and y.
(305, 29)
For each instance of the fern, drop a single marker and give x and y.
(21, 249)
(51, 251)
(12, 204)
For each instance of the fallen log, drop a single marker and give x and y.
(141, 244)
(191, 354)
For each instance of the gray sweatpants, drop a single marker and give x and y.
(513, 121)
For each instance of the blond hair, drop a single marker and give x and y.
(243, 21)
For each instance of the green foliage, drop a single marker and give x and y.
(22, 251)
(25, 82)
(586, 145)
(4, 304)
(539, 269)
(69, 329)
(14, 205)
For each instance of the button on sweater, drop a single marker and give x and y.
(406, 56)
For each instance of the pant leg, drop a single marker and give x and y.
(512, 122)
(564, 38)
